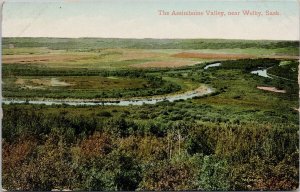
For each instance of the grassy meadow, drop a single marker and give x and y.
(238, 137)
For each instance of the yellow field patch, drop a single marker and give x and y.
(164, 64)
(40, 83)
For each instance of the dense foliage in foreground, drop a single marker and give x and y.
(108, 148)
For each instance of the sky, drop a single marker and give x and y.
(141, 19)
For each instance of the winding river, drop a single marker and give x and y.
(121, 102)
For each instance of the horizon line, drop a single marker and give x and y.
(154, 38)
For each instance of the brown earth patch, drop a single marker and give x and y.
(164, 64)
(20, 81)
(273, 89)
(212, 55)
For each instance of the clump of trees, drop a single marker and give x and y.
(249, 64)
(286, 69)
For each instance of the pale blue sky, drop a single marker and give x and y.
(140, 19)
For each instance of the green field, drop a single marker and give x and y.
(81, 87)
(238, 137)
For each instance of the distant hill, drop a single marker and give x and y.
(93, 43)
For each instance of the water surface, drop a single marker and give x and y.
(212, 65)
(261, 72)
(121, 102)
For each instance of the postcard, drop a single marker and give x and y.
(150, 95)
